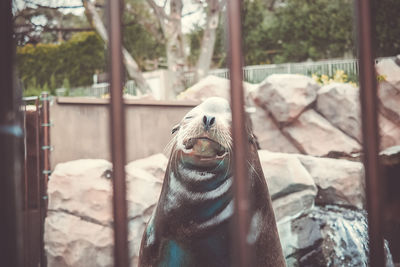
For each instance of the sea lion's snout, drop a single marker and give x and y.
(205, 131)
(204, 147)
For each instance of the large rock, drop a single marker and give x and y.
(339, 181)
(389, 132)
(286, 95)
(390, 70)
(314, 135)
(155, 165)
(80, 196)
(339, 103)
(82, 181)
(389, 98)
(329, 236)
(74, 241)
(291, 187)
(211, 86)
(268, 134)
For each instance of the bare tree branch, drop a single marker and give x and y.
(58, 7)
(51, 7)
(130, 64)
(159, 10)
(147, 24)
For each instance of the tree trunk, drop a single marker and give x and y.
(130, 64)
(171, 25)
(208, 40)
(175, 51)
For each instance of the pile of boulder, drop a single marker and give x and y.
(318, 201)
(294, 114)
(79, 221)
(306, 191)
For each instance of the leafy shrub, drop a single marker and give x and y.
(339, 77)
(75, 60)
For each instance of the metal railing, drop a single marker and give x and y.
(36, 138)
(257, 73)
(251, 74)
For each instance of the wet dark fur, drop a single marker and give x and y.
(174, 231)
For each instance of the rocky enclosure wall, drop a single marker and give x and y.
(78, 228)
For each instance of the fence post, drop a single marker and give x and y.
(242, 253)
(117, 127)
(368, 97)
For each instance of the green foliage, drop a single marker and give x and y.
(75, 60)
(142, 34)
(257, 46)
(32, 88)
(314, 30)
(142, 45)
(387, 27)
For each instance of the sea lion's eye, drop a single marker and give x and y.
(188, 117)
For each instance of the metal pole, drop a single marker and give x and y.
(11, 133)
(39, 183)
(46, 142)
(121, 252)
(242, 252)
(368, 96)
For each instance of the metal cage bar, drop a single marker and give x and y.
(369, 107)
(117, 127)
(242, 252)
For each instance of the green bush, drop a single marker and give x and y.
(75, 60)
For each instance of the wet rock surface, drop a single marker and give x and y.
(327, 236)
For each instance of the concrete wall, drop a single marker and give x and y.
(81, 127)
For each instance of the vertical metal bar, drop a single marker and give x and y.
(241, 251)
(121, 252)
(368, 96)
(46, 141)
(11, 156)
(39, 183)
(45, 123)
(37, 154)
(26, 238)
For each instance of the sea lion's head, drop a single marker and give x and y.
(203, 137)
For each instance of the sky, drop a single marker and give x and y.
(187, 22)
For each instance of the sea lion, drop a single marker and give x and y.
(192, 221)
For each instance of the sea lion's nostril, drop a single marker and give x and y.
(212, 121)
(208, 121)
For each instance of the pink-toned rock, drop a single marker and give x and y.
(82, 181)
(389, 132)
(291, 187)
(314, 135)
(390, 70)
(73, 241)
(268, 134)
(389, 98)
(155, 165)
(286, 95)
(339, 103)
(211, 86)
(339, 181)
(80, 195)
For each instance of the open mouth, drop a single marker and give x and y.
(204, 147)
